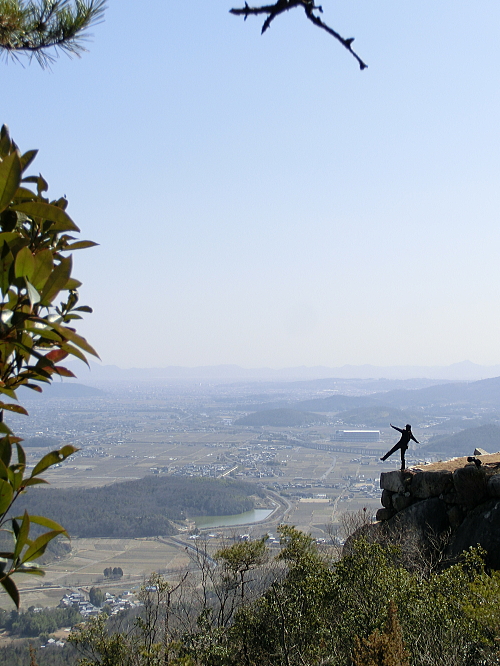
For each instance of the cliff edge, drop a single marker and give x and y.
(444, 507)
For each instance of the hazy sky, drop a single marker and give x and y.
(260, 201)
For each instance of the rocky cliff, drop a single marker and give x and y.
(446, 507)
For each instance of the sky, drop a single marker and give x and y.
(259, 200)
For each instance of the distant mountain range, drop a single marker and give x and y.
(463, 443)
(465, 371)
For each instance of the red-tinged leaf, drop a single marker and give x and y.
(9, 586)
(63, 372)
(56, 355)
(53, 458)
(13, 408)
(34, 387)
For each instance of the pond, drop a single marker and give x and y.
(253, 516)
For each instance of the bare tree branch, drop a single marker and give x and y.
(309, 7)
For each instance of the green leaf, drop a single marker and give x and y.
(74, 351)
(5, 428)
(53, 458)
(24, 193)
(44, 264)
(9, 586)
(6, 494)
(49, 524)
(5, 450)
(47, 333)
(9, 392)
(56, 281)
(33, 294)
(25, 263)
(76, 339)
(22, 536)
(10, 177)
(27, 158)
(79, 245)
(72, 284)
(33, 482)
(61, 220)
(39, 545)
(83, 308)
(31, 569)
(21, 455)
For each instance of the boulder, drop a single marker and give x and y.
(431, 484)
(480, 526)
(493, 486)
(455, 516)
(427, 517)
(400, 502)
(470, 484)
(386, 499)
(396, 481)
(384, 514)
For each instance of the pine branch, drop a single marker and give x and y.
(35, 28)
(309, 7)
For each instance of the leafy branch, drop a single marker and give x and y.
(35, 335)
(37, 26)
(310, 8)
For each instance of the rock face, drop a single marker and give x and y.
(455, 504)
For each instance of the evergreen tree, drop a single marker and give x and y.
(383, 649)
(38, 27)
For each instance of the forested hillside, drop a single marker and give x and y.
(139, 508)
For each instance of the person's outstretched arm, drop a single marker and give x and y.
(396, 428)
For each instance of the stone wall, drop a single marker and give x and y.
(457, 500)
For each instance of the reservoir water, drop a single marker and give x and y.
(253, 516)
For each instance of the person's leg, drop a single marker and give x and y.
(389, 453)
(403, 461)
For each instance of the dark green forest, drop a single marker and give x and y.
(139, 508)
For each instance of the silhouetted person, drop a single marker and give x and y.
(406, 435)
